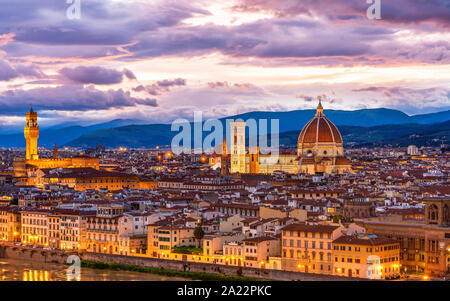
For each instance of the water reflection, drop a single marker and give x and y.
(18, 270)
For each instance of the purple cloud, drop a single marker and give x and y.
(95, 75)
(8, 72)
(398, 11)
(69, 98)
(160, 87)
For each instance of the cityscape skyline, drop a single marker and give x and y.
(166, 59)
(225, 141)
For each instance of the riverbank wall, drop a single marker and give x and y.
(43, 255)
(33, 254)
(177, 265)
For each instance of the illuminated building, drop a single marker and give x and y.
(233, 253)
(319, 150)
(9, 223)
(320, 146)
(257, 250)
(366, 256)
(308, 248)
(224, 159)
(73, 229)
(102, 230)
(238, 153)
(413, 150)
(54, 231)
(34, 227)
(31, 162)
(85, 178)
(162, 238)
(31, 133)
(424, 246)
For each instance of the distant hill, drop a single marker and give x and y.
(61, 135)
(131, 136)
(295, 120)
(134, 133)
(395, 135)
(160, 134)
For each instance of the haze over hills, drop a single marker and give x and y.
(291, 124)
(158, 135)
(60, 134)
(396, 135)
(134, 133)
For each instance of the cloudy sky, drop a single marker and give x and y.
(161, 60)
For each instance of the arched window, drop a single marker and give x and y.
(446, 214)
(433, 214)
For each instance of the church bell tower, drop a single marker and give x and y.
(31, 133)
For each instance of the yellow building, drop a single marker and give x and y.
(54, 238)
(31, 162)
(257, 251)
(234, 253)
(85, 178)
(148, 184)
(425, 245)
(162, 238)
(9, 223)
(366, 256)
(319, 150)
(73, 230)
(308, 248)
(102, 230)
(299, 214)
(34, 227)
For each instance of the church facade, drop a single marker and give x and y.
(31, 163)
(319, 150)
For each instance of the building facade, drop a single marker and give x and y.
(308, 248)
(319, 150)
(32, 162)
(366, 256)
(424, 246)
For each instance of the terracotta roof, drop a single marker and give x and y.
(310, 228)
(260, 239)
(366, 240)
(342, 161)
(319, 129)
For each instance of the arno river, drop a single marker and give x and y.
(18, 270)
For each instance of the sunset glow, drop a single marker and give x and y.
(161, 60)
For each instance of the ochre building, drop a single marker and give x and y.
(424, 246)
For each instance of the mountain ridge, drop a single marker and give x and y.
(77, 135)
(397, 134)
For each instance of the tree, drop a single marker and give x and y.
(14, 201)
(199, 233)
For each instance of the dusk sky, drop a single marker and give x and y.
(162, 60)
